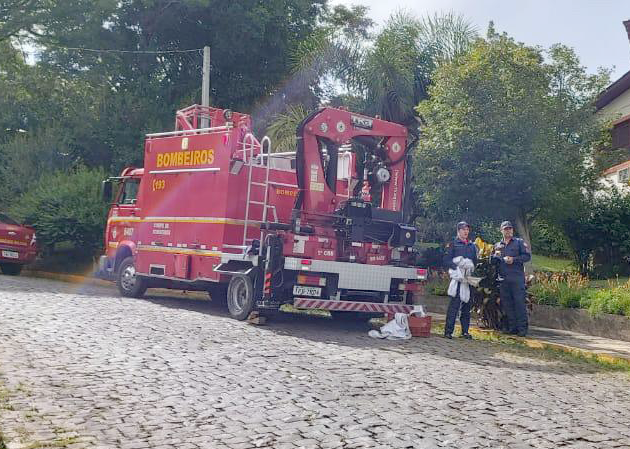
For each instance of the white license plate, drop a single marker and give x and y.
(10, 254)
(300, 290)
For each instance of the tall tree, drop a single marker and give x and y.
(21, 17)
(397, 70)
(250, 41)
(507, 134)
(145, 72)
(386, 74)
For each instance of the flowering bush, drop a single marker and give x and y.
(560, 289)
(615, 299)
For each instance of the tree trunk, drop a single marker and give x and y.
(523, 227)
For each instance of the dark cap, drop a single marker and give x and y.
(506, 224)
(462, 224)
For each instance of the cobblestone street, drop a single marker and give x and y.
(81, 367)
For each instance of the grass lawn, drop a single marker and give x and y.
(544, 263)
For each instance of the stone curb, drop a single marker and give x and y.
(529, 342)
(541, 344)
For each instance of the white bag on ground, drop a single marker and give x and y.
(396, 329)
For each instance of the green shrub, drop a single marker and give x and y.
(548, 240)
(615, 300)
(560, 289)
(438, 284)
(66, 206)
(598, 232)
(489, 231)
(562, 295)
(432, 257)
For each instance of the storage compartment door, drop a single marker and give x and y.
(182, 266)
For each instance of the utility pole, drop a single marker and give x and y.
(205, 85)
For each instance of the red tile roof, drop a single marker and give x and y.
(617, 167)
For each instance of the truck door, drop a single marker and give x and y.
(125, 213)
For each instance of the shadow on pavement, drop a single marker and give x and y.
(321, 329)
(352, 334)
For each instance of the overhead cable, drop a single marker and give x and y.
(94, 50)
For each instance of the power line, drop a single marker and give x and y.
(152, 52)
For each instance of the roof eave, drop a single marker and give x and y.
(613, 91)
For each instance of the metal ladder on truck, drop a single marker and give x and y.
(251, 161)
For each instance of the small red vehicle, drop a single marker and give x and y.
(17, 245)
(216, 209)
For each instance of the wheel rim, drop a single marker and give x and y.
(238, 296)
(128, 278)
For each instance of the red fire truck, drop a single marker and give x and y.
(216, 209)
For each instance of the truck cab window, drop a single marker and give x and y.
(128, 191)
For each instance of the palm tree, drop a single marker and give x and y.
(282, 129)
(386, 76)
(397, 70)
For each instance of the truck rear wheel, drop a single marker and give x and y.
(12, 269)
(240, 296)
(128, 283)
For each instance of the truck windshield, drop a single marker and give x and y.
(7, 220)
(128, 191)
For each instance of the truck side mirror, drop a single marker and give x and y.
(107, 191)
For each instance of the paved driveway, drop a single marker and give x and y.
(81, 367)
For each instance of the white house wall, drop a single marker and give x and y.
(617, 108)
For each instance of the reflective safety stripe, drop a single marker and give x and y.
(351, 306)
(165, 249)
(13, 242)
(211, 220)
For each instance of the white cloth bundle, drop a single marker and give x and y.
(396, 329)
(460, 278)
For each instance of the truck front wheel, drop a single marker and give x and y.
(240, 296)
(128, 283)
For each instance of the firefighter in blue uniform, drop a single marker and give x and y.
(511, 254)
(460, 246)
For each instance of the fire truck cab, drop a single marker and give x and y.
(216, 209)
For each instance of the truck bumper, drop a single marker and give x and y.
(17, 254)
(104, 269)
(351, 306)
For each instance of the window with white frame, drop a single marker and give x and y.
(623, 175)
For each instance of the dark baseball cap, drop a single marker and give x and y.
(462, 224)
(506, 224)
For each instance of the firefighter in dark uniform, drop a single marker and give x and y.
(460, 246)
(511, 254)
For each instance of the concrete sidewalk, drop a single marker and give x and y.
(603, 347)
(591, 346)
(600, 348)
